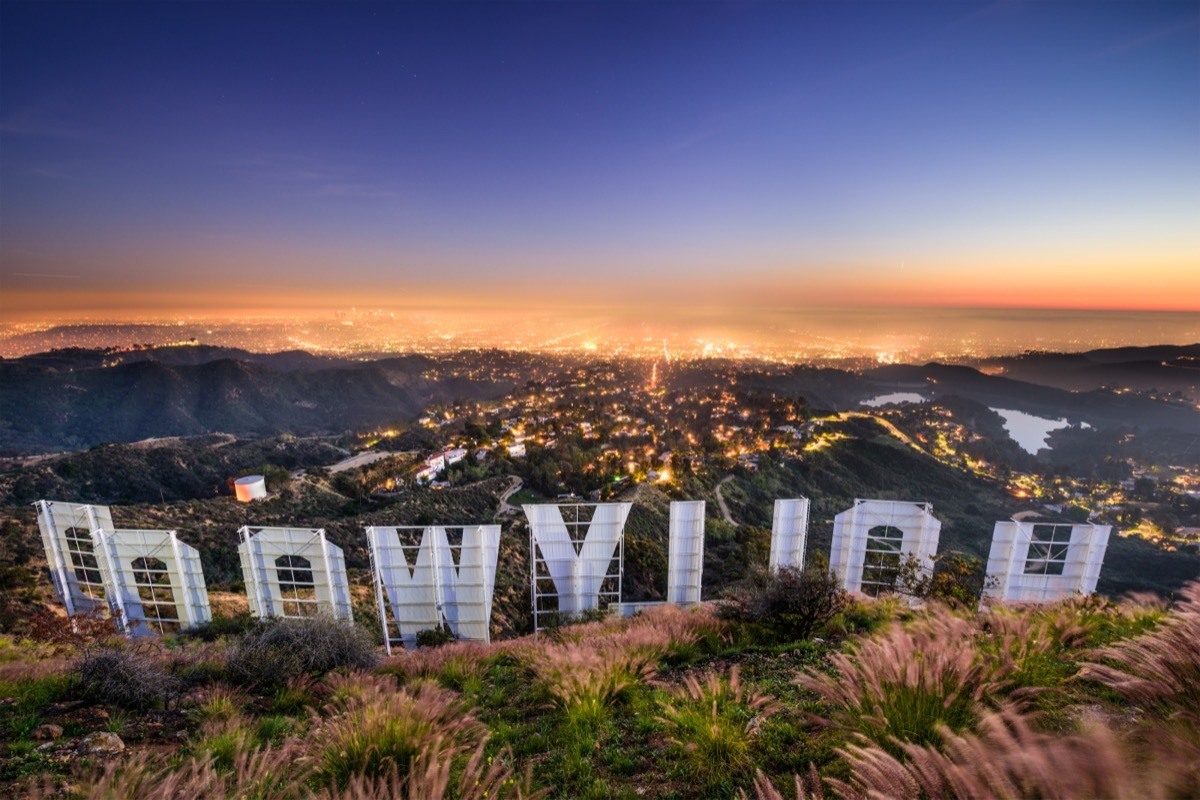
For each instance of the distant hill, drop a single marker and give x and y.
(1166, 368)
(871, 463)
(70, 400)
(1099, 408)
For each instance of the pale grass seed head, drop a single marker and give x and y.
(1008, 758)
(908, 682)
(373, 728)
(714, 719)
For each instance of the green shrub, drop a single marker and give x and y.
(276, 651)
(434, 637)
(221, 627)
(956, 578)
(274, 728)
(911, 684)
(224, 743)
(371, 729)
(792, 602)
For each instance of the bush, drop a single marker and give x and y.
(127, 678)
(435, 637)
(220, 627)
(276, 651)
(912, 684)
(792, 602)
(956, 578)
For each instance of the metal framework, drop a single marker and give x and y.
(293, 572)
(433, 582)
(67, 535)
(1041, 561)
(872, 537)
(789, 533)
(685, 559)
(149, 580)
(157, 581)
(577, 560)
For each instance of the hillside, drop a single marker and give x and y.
(1099, 408)
(73, 403)
(1164, 368)
(1083, 698)
(863, 460)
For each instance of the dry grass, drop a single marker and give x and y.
(221, 702)
(911, 682)
(267, 774)
(370, 729)
(1162, 667)
(1160, 673)
(430, 778)
(458, 665)
(714, 721)
(1007, 759)
(19, 671)
(808, 788)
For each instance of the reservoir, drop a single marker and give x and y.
(894, 397)
(1028, 431)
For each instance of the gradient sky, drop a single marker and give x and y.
(162, 155)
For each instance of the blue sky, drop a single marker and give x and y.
(958, 151)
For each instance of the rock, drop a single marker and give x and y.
(47, 747)
(47, 732)
(101, 743)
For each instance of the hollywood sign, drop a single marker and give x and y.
(444, 576)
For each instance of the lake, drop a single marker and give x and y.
(1028, 431)
(894, 397)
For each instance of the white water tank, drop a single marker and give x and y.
(251, 487)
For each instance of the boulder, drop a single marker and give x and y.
(47, 733)
(101, 743)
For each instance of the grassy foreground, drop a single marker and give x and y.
(1085, 698)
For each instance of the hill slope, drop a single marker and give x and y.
(45, 407)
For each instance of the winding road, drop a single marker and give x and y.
(721, 500)
(513, 487)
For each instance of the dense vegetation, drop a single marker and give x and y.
(1082, 698)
